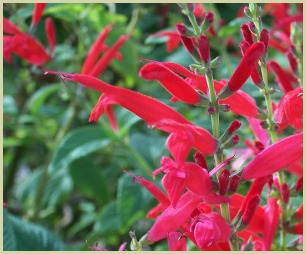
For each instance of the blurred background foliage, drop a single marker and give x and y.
(63, 179)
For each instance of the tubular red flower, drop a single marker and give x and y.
(177, 242)
(234, 183)
(171, 81)
(7, 48)
(292, 61)
(173, 39)
(204, 48)
(264, 37)
(29, 49)
(275, 157)
(223, 182)
(246, 33)
(272, 214)
(154, 112)
(235, 125)
(103, 62)
(281, 77)
(95, 50)
(244, 69)
(250, 209)
(38, 11)
(200, 160)
(172, 218)
(290, 110)
(9, 27)
(50, 31)
(285, 193)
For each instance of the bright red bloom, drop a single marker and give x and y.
(50, 32)
(281, 77)
(9, 27)
(209, 229)
(290, 110)
(29, 49)
(244, 69)
(38, 11)
(171, 81)
(103, 62)
(275, 157)
(95, 51)
(204, 48)
(247, 34)
(292, 61)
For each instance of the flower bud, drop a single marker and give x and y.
(181, 28)
(223, 182)
(252, 26)
(208, 20)
(292, 61)
(259, 146)
(264, 37)
(200, 160)
(204, 49)
(250, 209)
(285, 192)
(234, 183)
(235, 125)
(264, 125)
(246, 33)
(224, 107)
(211, 110)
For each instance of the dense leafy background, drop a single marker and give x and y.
(64, 175)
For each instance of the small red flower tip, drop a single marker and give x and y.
(235, 139)
(38, 11)
(210, 17)
(244, 69)
(299, 184)
(9, 27)
(200, 160)
(171, 81)
(235, 125)
(181, 29)
(259, 146)
(95, 50)
(285, 193)
(203, 48)
(275, 157)
(177, 242)
(234, 183)
(264, 37)
(250, 209)
(281, 77)
(50, 31)
(292, 61)
(299, 212)
(223, 182)
(246, 33)
(103, 62)
(188, 44)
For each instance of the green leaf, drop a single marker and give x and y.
(232, 27)
(77, 144)
(9, 105)
(88, 180)
(40, 96)
(132, 201)
(20, 235)
(156, 39)
(108, 220)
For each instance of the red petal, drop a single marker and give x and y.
(275, 157)
(171, 81)
(9, 27)
(38, 10)
(176, 242)
(50, 31)
(272, 214)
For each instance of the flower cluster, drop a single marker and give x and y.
(198, 202)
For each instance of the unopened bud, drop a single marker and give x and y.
(200, 160)
(235, 139)
(276, 127)
(246, 33)
(224, 107)
(223, 182)
(204, 48)
(211, 110)
(264, 37)
(181, 29)
(250, 209)
(259, 146)
(285, 192)
(292, 61)
(208, 20)
(264, 125)
(234, 183)
(235, 125)
(252, 26)
(299, 184)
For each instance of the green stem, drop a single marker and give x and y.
(194, 23)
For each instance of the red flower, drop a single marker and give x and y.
(38, 11)
(275, 157)
(281, 77)
(290, 110)
(244, 69)
(50, 32)
(171, 81)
